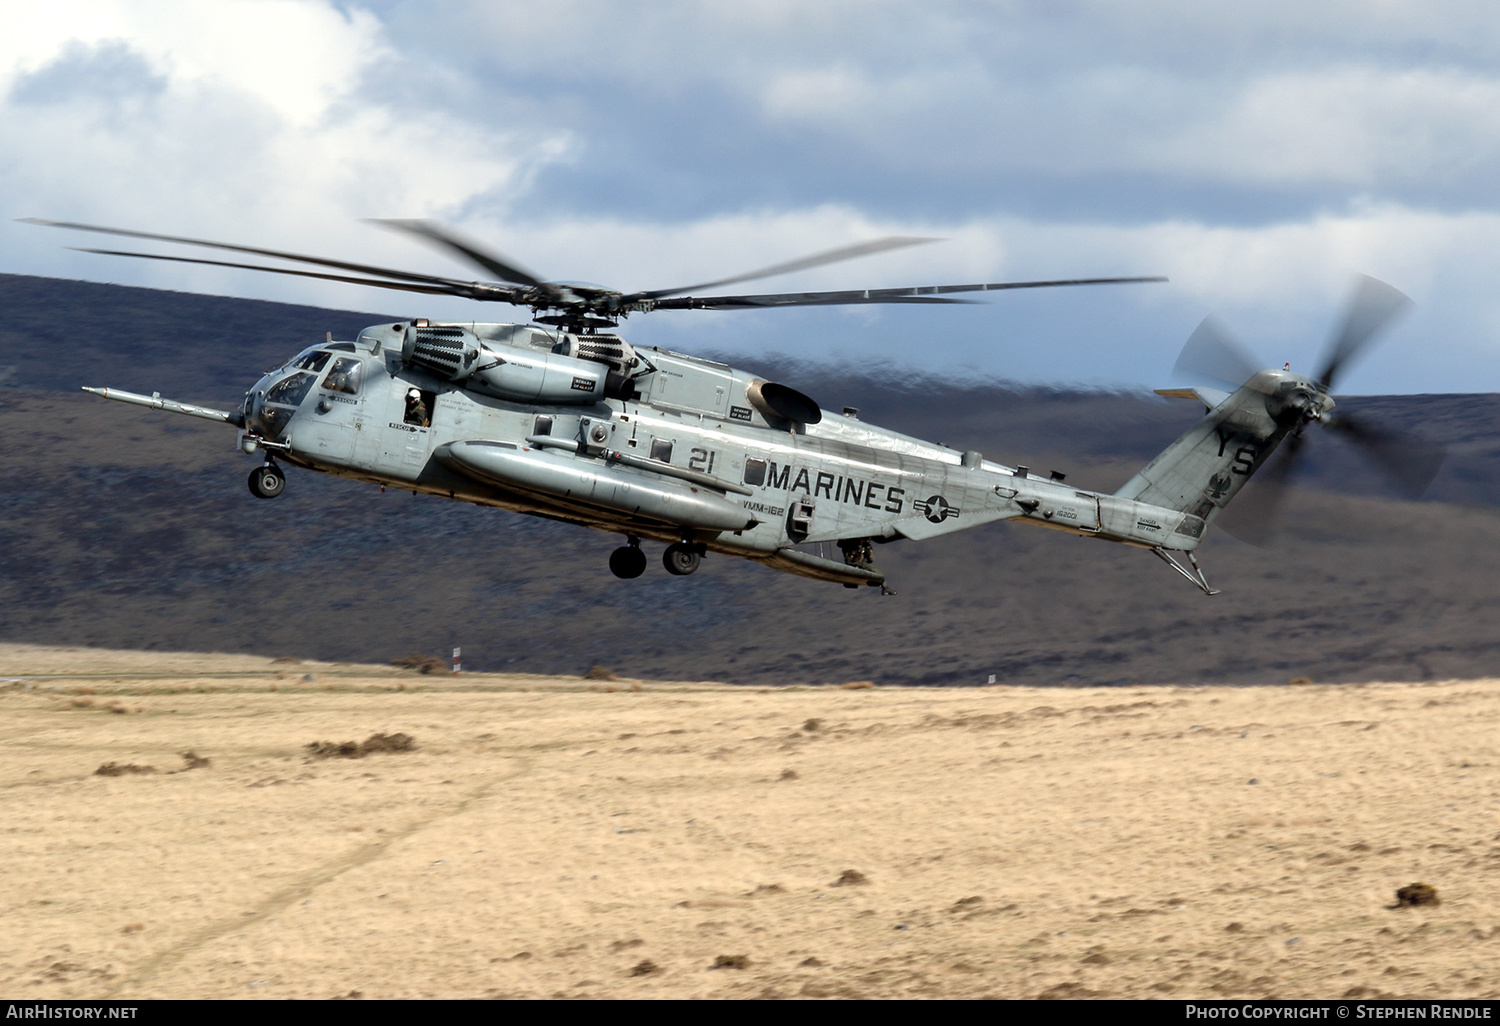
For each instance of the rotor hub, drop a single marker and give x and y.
(1297, 402)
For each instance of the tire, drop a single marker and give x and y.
(627, 562)
(267, 482)
(680, 560)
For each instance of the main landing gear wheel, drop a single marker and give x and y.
(627, 561)
(267, 482)
(680, 559)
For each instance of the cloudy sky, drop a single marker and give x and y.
(1257, 154)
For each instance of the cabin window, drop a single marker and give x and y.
(661, 449)
(344, 377)
(755, 472)
(419, 404)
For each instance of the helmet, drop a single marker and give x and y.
(413, 393)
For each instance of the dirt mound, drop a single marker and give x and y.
(358, 750)
(422, 664)
(116, 769)
(1416, 894)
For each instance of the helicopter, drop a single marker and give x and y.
(561, 417)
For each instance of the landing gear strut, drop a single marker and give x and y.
(1196, 574)
(682, 558)
(267, 482)
(628, 560)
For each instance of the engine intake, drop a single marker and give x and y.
(448, 352)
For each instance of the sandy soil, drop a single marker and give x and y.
(555, 837)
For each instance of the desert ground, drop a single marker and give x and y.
(557, 837)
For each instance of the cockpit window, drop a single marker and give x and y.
(344, 377)
(291, 391)
(312, 361)
(296, 361)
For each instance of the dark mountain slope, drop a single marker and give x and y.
(125, 528)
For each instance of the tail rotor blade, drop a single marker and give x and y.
(1211, 352)
(1409, 462)
(1372, 306)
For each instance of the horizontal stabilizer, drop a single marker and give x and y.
(1210, 397)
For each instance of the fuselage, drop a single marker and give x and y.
(688, 454)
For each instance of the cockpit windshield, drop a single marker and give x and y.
(291, 391)
(311, 361)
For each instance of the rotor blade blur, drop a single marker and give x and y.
(915, 294)
(1409, 462)
(792, 299)
(278, 254)
(462, 289)
(1372, 305)
(832, 256)
(447, 239)
(1256, 511)
(1211, 352)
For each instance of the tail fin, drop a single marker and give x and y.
(1205, 468)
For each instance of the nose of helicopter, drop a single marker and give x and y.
(272, 403)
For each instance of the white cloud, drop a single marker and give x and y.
(1355, 126)
(255, 131)
(282, 123)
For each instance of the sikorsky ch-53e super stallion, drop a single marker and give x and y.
(562, 418)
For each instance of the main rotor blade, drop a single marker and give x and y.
(447, 239)
(914, 294)
(1211, 352)
(1256, 510)
(1408, 461)
(342, 265)
(832, 256)
(1372, 305)
(465, 290)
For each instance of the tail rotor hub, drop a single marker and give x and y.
(1299, 403)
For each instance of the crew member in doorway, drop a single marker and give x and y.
(416, 409)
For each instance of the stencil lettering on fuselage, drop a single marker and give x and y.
(852, 491)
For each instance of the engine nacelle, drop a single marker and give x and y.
(538, 377)
(608, 349)
(446, 350)
(457, 354)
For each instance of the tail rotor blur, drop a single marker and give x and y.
(1409, 463)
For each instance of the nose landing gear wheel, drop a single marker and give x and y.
(680, 559)
(627, 561)
(267, 482)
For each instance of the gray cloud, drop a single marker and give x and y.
(108, 73)
(1060, 110)
(1256, 154)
